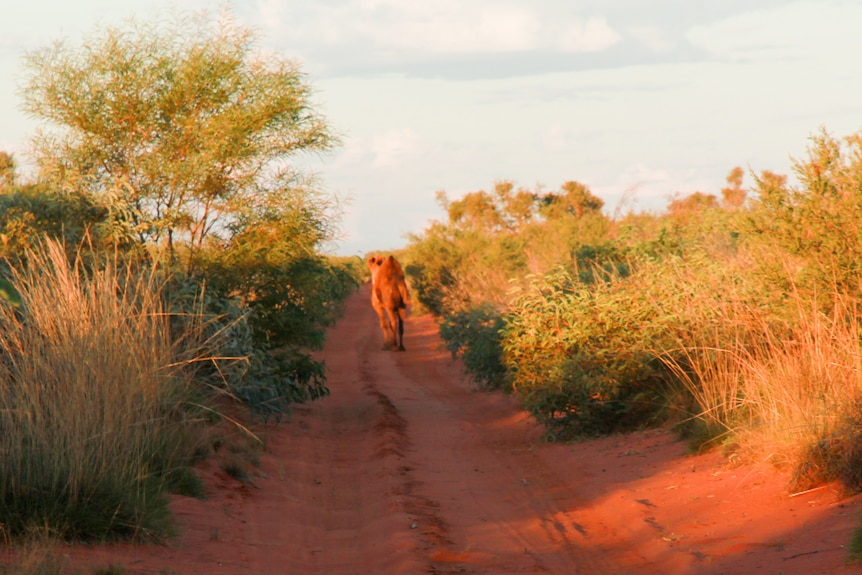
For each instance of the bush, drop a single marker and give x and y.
(573, 358)
(239, 363)
(29, 213)
(476, 336)
(814, 226)
(587, 357)
(489, 239)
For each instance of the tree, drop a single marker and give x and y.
(733, 196)
(574, 199)
(692, 204)
(506, 210)
(185, 125)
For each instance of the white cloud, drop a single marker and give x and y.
(393, 147)
(270, 13)
(642, 177)
(453, 28)
(593, 35)
(653, 38)
(443, 27)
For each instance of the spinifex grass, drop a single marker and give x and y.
(92, 402)
(785, 391)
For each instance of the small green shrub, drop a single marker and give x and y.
(240, 363)
(476, 336)
(587, 357)
(574, 358)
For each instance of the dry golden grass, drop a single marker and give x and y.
(93, 402)
(784, 393)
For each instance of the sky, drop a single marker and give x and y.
(639, 100)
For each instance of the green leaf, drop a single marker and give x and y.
(9, 293)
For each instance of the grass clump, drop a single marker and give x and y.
(784, 389)
(94, 402)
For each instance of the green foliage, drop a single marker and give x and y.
(266, 380)
(9, 293)
(432, 264)
(174, 146)
(574, 358)
(598, 262)
(603, 301)
(183, 124)
(31, 212)
(476, 336)
(575, 200)
(270, 298)
(271, 264)
(179, 134)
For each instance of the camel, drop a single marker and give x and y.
(389, 299)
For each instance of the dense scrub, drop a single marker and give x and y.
(732, 316)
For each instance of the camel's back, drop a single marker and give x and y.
(389, 283)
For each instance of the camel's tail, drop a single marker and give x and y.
(405, 297)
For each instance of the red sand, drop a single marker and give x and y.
(407, 469)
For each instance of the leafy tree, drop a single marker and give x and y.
(182, 132)
(733, 196)
(184, 124)
(575, 199)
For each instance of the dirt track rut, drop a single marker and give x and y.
(410, 470)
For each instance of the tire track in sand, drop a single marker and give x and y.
(344, 479)
(404, 469)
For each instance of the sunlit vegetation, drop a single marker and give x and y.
(732, 316)
(162, 260)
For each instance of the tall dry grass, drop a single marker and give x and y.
(784, 391)
(93, 402)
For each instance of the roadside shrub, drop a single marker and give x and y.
(96, 416)
(788, 392)
(476, 336)
(491, 238)
(586, 358)
(238, 361)
(573, 360)
(31, 212)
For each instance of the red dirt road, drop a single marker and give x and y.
(407, 469)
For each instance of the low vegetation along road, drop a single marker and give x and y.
(408, 469)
